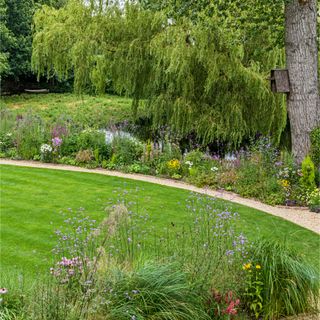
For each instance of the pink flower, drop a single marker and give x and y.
(231, 309)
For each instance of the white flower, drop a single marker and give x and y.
(45, 148)
(214, 169)
(189, 163)
(9, 134)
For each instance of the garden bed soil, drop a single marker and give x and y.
(299, 216)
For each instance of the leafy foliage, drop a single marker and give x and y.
(16, 42)
(257, 25)
(308, 174)
(315, 146)
(194, 77)
(16, 35)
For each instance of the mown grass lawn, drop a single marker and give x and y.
(31, 200)
(94, 111)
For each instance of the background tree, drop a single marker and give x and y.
(264, 28)
(16, 38)
(16, 41)
(302, 64)
(192, 76)
(7, 39)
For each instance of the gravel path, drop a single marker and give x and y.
(299, 216)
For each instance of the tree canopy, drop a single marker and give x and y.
(16, 35)
(197, 75)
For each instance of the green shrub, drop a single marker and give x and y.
(152, 292)
(138, 168)
(202, 178)
(291, 285)
(6, 141)
(31, 132)
(314, 200)
(271, 192)
(95, 141)
(195, 157)
(67, 160)
(69, 145)
(125, 150)
(249, 181)
(90, 139)
(315, 146)
(257, 181)
(307, 181)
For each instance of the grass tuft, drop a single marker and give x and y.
(153, 292)
(291, 285)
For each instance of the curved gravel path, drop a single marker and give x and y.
(299, 216)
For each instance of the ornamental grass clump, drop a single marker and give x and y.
(290, 284)
(153, 291)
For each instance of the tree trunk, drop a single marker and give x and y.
(302, 64)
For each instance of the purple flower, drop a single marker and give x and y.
(56, 142)
(242, 239)
(229, 253)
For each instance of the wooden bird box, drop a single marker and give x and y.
(279, 80)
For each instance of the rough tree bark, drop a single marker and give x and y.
(302, 64)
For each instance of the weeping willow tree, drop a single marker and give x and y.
(190, 76)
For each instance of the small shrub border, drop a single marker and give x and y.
(261, 172)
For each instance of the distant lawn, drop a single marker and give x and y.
(90, 110)
(31, 200)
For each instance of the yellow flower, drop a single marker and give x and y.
(258, 266)
(173, 164)
(284, 183)
(246, 266)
